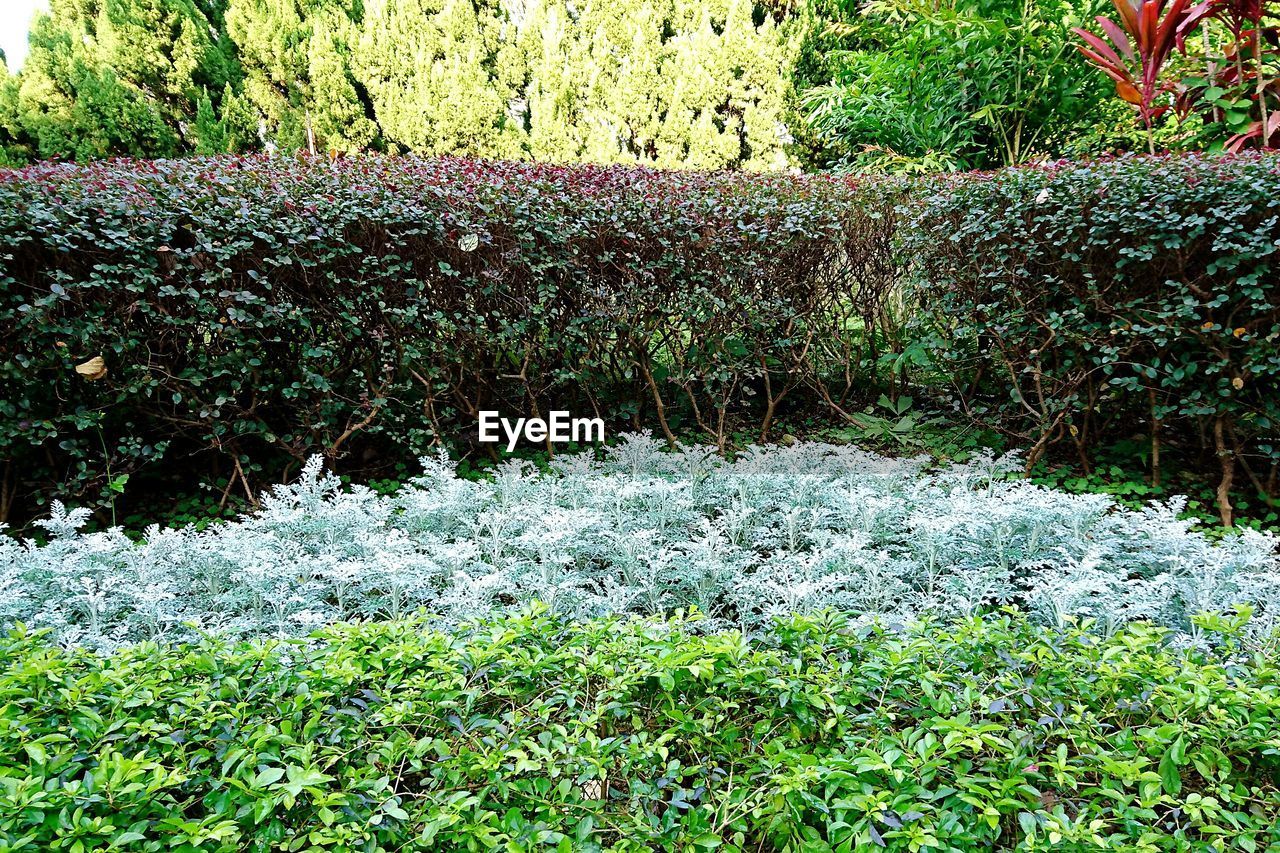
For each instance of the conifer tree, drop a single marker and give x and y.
(669, 82)
(701, 83)
(436, 79)
(226, 130)
(117, 77)
(297, 62)
(14, 144)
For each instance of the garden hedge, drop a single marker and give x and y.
(532, 734)
(255, 309)
(1075, 303)
(248, 312)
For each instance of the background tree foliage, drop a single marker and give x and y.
(724, 83)
(671, 82)
(947, 84)
(116, 77)
(903, 85)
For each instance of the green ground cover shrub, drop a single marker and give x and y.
(532, 734)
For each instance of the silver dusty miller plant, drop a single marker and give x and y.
(643, 530)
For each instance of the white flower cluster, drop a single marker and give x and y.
(776, 531)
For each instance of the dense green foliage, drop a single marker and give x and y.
(970, 84)
(674, 83)
(116, 77)
(1084, 301)
(904, 86)
(530, 734)
(760, 85)
(260, 310)
(251, 312)
(888, 84)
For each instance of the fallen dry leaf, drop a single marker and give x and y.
(94, 368)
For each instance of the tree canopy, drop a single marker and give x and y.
(665, 82)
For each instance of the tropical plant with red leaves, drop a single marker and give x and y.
(1236, 15)
(1237, 87)
(1136, 53)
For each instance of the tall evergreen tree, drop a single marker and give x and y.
(15, 147)
(439, 74)
(670, 82)
(113, 77)
(226, 129)
(296, 56)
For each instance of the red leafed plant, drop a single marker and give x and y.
(1135, 52)
(1236, 15)
(1239, 86)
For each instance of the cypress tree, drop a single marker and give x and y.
(297, 64)
(433, 70)
(701, 83)
(228, 130)
(675, 83)
(15, 147)
(117, 77)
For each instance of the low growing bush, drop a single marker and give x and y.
(775, 532)
(530, 733)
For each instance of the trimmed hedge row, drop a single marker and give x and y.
(249, 312)
(247, 309)
(1075, 303)
(531, 734)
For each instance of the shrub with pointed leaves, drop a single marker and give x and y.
(628, 735)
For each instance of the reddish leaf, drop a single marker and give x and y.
(1129, 92)
(1101, 47)
(1118, 37)
(1128, 10)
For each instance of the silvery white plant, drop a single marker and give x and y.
(641, 529)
